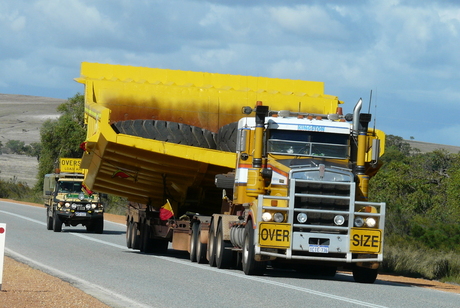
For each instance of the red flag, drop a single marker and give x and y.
(166, 211)
(88, 191)
(119, 173)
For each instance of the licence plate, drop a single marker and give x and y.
(318, 248)
(80, 214)
(365, 240)
(275, 235)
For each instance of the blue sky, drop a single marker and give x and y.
(406, 52)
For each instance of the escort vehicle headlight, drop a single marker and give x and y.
(67, 204)
(359, 222)
(93, 206)
(370, 222)
(81, 196)
(73, 206)
(339, 220)
(302, 218)
(278, 217)
(266, 216)
(88, 206)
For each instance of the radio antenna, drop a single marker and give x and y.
(370, 100)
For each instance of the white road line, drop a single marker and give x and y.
(204, 267)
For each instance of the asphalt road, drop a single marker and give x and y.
(101, 265)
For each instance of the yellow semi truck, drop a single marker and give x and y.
(239, 171)
(68, 202)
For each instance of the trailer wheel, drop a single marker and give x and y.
(57, 223)
(250, 265)
(135, 240)
(226, 137)
(167, 131)
(146, 244)
(129, 234)
(200, 249)
(49, 220)
(223, 255)
(364, 275)
(194, 242)
(212, 246)
(159, 246)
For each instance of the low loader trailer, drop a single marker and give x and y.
(239, 171)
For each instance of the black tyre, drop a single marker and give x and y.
(250, 265)
(223, 255)
(49, 220)
(57, 223)
(364, 275)
(146, 244)
(212, 246)
(194, 242)
(129, 234)
(136, 237)
(167, 131)
(99, 226)
(201, 249)
(226, 137)
(159, 246)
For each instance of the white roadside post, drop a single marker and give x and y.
(2, 251)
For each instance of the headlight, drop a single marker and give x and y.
(278, 217)
(67, 204)
(359, 222)
(88, 206)
(74, 206)
(93, 206)
(81, 196)
(302, 218)
(339, 220)
(370, 222)
(266, 216)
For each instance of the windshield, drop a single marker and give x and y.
(301, 143)
(69, 187)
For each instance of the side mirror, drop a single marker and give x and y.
(375, 150)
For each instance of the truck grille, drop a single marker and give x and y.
(322, 201)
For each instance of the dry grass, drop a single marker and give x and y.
(423, 263)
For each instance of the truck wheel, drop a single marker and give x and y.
(250, 265)
(194, 242)
(212, 246)
(364, 275)
(200, 249)
(223, 255)
(98, 226)
(226, 137)
(57, 223)
(49, 220)
(129, 234)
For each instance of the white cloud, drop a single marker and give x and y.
(405, 50)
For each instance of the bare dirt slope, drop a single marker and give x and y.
(21, 117)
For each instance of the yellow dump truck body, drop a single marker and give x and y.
(142, 169)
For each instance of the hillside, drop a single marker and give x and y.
(21, 117)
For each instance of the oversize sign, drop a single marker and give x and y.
(365, 240)
(70, 165)
(275, 235)
(2, 251)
